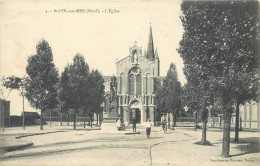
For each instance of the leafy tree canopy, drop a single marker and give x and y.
(41, 89)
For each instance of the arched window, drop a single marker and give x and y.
(138, 84)
(135, 81)
(121, 83)
(147, 83)
(131, 84)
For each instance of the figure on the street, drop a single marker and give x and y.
(134, 125)
(118, 124)
(148, 126)
(163, 121)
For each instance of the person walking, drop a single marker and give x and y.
(148, 126)
(134, 125)
(118, 124)
(162, 122)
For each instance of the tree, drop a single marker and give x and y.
(17, 83)
(74, 86)
(198, 91)
(219, 43)
(96, 92)
(64, 92)
(41, 89)
(247, 87)
(190, 97)
(168, 98)
(160, 101)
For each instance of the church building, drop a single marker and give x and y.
(131, 93)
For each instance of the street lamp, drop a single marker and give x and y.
(186, 108)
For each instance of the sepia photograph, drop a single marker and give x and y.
(130, 83)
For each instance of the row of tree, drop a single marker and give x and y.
(77, 91)
(221, 58)
(168, 96)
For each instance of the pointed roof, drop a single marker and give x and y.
(150, 48)
(156, 54)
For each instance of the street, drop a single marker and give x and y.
(93, 147)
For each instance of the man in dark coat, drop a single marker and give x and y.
(134, 125)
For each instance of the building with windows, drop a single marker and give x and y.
(131, 93)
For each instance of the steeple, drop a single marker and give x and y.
(156, 54)
(150, 49)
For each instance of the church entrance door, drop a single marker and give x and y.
(136, 114)
(135, 111)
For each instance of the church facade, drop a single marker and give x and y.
(131, 93)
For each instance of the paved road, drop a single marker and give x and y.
(176, 147)
(92, 148)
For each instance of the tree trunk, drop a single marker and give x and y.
(220, 121)
(41, 120)
(173, 121)
(4, 116)
(226, 132)
(204, 133)
(74, 121)
(23, 114)
(50, 118)
(204, 120)
(175, 118)
(68, 119)
(195, 120)
(97, 118)
(61, 119)
(90, 120)
(168, 120)
(84, 118)
(237, 123)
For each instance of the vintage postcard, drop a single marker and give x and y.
(129, 83)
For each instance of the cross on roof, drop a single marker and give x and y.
(135, 42)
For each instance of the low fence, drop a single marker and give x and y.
(66, 118)
(185, 119)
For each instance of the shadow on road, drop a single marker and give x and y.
(49, 152)
(248, 145)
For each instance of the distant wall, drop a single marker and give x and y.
(6, 110)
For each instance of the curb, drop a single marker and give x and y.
(22, 146)
(28, 135)
(132, 133)
(16, 147)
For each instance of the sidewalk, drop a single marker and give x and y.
(185, 153)
(10, 138)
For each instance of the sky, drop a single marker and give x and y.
(100, 36)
